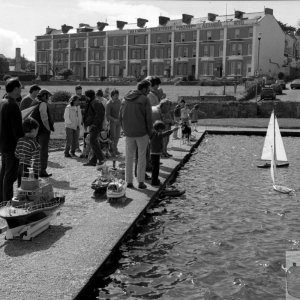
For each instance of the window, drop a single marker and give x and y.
(221, 50)
(222, 34)
(84, 43)
(205, 50)
(146, 39)
(168, 52)
(135, 40)
(207, 68)
(95, 42)
(250, 31)
(238, 68)
(158, 38)
(208, 35)
(182, 36)
(212, 50)
(194, 51)
(76, 44)
(124, 54)
(232, 67)
(185, 52)
(237, 33)
(233, 49)
(169, 37)
(145, 53)
(97, 55)
(179, 51)
(249, 49)
(194, 35)
(239, 49)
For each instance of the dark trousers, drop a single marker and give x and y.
(95, 145)
(24, 172)
(71, 140)
(8, 175)
(155, 160)
(43, 140)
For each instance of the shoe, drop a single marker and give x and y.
(130, 185)
(83, 156)
(68, 155)
(169, 155)
(118, 153)
(142, 185)
(101, 163)
(164, 155)
(73, 154)
(78, 150)
(147, 177)
(45, 174)
(90, 164)
(155, 183)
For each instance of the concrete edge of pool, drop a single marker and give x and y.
(63, 262)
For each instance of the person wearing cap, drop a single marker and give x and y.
(42, 115)
(11, 130)
(28, 100)
(7, 77)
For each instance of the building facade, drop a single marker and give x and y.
(239, 45)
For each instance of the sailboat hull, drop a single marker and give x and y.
(283, 189)
(266, 165)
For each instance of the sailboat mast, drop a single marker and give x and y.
(275, 160)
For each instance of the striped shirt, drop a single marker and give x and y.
(28, 151)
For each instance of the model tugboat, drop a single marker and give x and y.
(32, 209)
(107, 176)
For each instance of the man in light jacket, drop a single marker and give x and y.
(136, 121)
(73, 120)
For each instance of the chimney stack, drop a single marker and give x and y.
(18, 60)
(163, 20)
(121, 24)
(187, 18)
(211, 17)
(101, 25)
(141, 22)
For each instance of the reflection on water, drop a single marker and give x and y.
(224, 239)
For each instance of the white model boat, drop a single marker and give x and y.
(273, 139)
(32, 209)
(272, 149)
(116, 189)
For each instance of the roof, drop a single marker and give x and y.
(255, 16)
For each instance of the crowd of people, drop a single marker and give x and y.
(145, 117)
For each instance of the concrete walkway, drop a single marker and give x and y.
(58, 263)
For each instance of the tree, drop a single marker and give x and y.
(66, 73)
(4, 65)
(287, 28)
(280, 75)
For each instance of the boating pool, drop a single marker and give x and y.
(224, 239)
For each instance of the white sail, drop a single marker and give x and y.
(273, 166)
(267, 152)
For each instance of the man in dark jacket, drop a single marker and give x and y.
(30, 98)
(93, 118)
(10, 131)
(136, 121)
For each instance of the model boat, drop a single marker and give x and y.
(32, 209)
(116, 189)
(273, 140)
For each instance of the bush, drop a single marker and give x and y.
(61, 96)
(280, 75)
(45, 77)
(66, 73)
(251, 91)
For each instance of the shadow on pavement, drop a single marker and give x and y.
(55, 165)
(61, 184)
(45, 240)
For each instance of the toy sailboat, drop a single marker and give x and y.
(33, 208)
(274, 139)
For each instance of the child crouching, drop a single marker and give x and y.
(156, 148)
(28, 150)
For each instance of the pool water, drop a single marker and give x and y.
(224, 239)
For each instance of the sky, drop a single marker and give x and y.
(22, 20)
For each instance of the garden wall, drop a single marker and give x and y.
(219, 108)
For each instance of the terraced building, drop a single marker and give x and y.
(238, 45)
